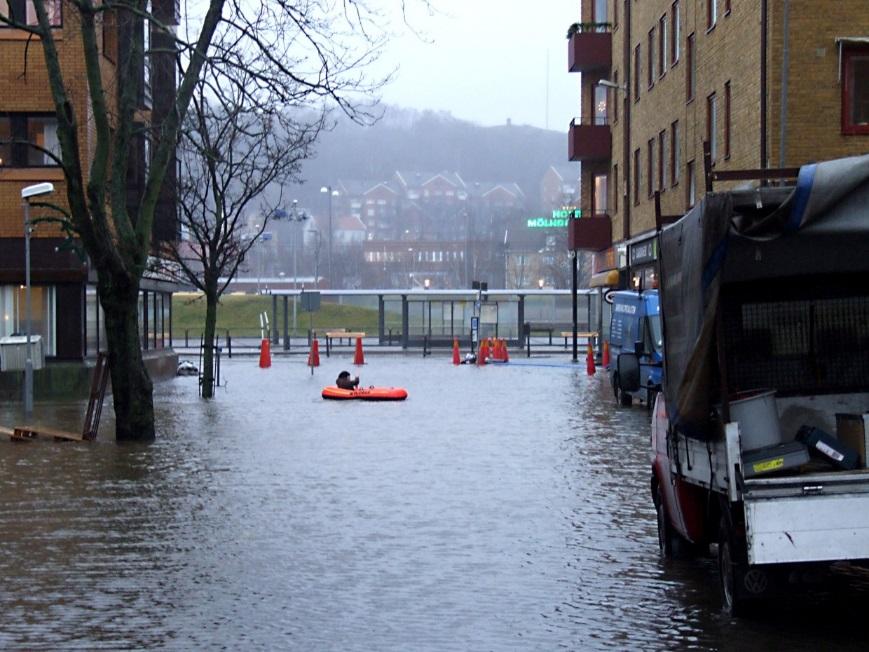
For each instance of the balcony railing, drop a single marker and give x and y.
(589, 139)
(589, 47)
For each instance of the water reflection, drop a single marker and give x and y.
(498, 508)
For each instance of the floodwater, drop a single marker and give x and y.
(498, 508)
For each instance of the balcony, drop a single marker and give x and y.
(590, 233)
(589, 139)
(589, 47)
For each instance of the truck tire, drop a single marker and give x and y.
(732, 564)
(671, 544)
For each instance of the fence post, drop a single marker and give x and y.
(528, 338)
(186, 338)
(228, 344)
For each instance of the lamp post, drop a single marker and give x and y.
(331, 193)
(297, 221)
(26, 193)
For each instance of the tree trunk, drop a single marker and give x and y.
(132, 389)
(208, 343)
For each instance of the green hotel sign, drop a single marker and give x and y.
(559, 219)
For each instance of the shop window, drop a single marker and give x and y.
(18, 129)
(855, 90)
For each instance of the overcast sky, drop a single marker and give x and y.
(489, 62)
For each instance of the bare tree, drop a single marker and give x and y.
(322, 45)
(232, 151)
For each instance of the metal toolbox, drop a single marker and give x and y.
(774, 459)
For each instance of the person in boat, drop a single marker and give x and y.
(345, 381)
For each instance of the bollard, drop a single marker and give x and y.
(228, 345)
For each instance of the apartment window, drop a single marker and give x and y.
(675, 162)
(615, 98)
(690, 72)
(726, 7)
(39, 129)
(651, 75)
(24, 11)
(691, 197)
(637, 72)
(636, 177)
(616, 14)
(663, 48)
(727, 120)
(662, 159)
(616, 188)
(600, 105)
(650, 172)
(600, 194)
(855, 90)
(712, 126)
(600, 12)
(711, 13)
(677, 33)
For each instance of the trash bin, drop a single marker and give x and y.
(13, 352)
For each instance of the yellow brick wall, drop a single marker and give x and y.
(30, 92)
(731, 51)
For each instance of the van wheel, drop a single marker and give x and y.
(625, 399)
(671, 544)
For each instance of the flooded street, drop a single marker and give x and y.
(504, 507)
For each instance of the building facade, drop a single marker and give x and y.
(766, 83)
(66, 311)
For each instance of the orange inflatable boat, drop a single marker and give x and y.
(365, 393)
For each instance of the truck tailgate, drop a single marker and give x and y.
(817, 517)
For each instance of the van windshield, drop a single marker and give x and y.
(655, 332)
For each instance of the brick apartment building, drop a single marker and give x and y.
(66, 311)
(767, 83)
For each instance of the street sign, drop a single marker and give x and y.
(310, 301)
(475, 329)
(608, 296)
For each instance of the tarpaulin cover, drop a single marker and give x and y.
(819, 226)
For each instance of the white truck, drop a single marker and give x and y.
(761, 433)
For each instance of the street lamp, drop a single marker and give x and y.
(26, 193)
(331, 193)
(540, 283)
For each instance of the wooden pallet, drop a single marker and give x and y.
(23, 433)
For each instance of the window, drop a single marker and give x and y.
(600, 194)
(663, 48)
(712, 126)
(675, 162)
(726, 7)
(677, 33)
(855, 90)
(711, 13)
(637, 72)
(651, 76)
(650, 172)
(662, 159)
(615, 98)
(600, 104)
(691, 196)
(690, 72)
(39, 129)
(727, 120)
(600, 12)
(24, 11)
(615, 188)
(616, 14)
(636, 177)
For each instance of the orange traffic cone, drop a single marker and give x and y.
(589, 361)
(265, 354)
(505, 356)
(496, 349)
(484, 353)
(456, 359)
(314, 355)
(605, 360)
(359, 358)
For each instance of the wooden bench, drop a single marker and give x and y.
(589, 337)
(339, 335)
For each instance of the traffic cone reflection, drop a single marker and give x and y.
(605, 360)
(456, 358)
(589, 361)
(359, 357)
(314, 355)
(265, 354)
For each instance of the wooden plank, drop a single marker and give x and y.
(29, 432)
(7, 432)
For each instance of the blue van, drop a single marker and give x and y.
(636, 327)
